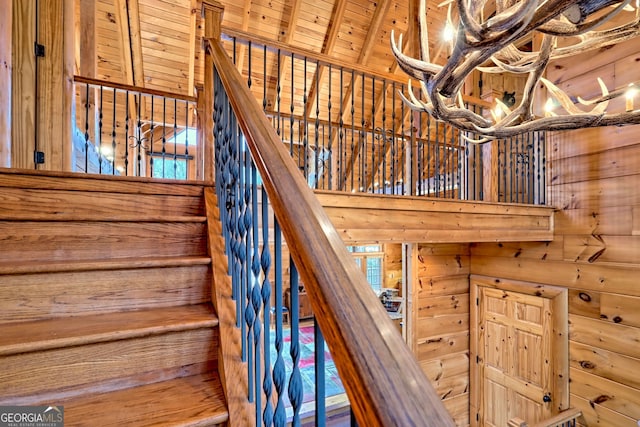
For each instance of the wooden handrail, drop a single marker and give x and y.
(385, 384)
(562, 417)
(555, 421)
(130, 88)
(324, 59)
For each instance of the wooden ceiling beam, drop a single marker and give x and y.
(128, 17)
(195, 10)
(335, 22)
(86, 60)
(246, 11)
(365, 53)
(411, 48)
(285, 36)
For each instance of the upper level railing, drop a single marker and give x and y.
(382, 379)
(348, 129)
(127, 130)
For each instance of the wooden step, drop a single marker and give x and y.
(106, 348)
(62, 205)
(60, 241)
(86, 288)
(68, 181)
(196, 400)
(82, 330)
(22, 267)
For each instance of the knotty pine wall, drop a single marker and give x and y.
(595, 184)
(392, 266)
(440, 338)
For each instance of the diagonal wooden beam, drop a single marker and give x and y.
(286, 35)
(365, 53)
(128, 18)
(246, 9)
(337, 16)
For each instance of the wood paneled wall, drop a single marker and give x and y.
(42, 94)
(5, 82)
(594, 182)
(440, 335)
(392, 265)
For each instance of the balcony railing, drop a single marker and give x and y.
(132, 131)
(348, 129)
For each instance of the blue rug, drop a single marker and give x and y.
(333, 385)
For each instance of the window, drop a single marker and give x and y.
(369, 258)
(169, 167)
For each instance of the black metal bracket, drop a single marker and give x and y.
(38, 157)
(39, 49)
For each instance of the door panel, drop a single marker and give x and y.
(513, 341)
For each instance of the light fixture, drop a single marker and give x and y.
(449, 32)
(107, 152)
(630, 94)
(490, 46)
(549, 106)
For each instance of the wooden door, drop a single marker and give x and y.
(517, 365)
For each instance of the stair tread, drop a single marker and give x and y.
(106, 264)
(114, 217)
(70, 331)
(196, 400)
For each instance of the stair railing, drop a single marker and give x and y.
(565, 418)
(263, 198)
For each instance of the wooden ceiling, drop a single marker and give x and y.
(157, 43)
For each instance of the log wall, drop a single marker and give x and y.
(440, 337)
(594, 181)
(392, 265)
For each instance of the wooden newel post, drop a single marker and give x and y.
(212, 13)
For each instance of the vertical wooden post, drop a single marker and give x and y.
(87, 64)
(200, 142)
(5, 83)
(23, 79)
(212, 12)
(410, 292)
(490, 171)
(42, 101)
(55, 84)
(413, 49)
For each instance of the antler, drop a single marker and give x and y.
(495, 41)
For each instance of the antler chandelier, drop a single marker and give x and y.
(491, 46)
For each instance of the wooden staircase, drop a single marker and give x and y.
(105, 300)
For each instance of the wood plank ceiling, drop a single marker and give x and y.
(157, 43)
